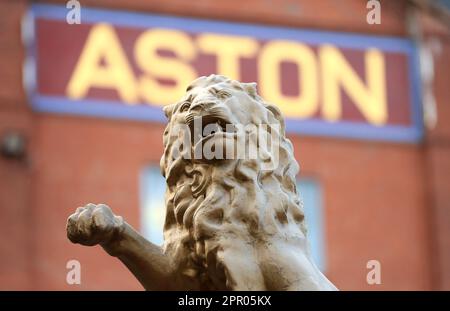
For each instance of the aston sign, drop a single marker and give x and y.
(128, 65)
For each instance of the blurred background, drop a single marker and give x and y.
(364, 86)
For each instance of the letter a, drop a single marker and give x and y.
(74, 274)
(374, 275)
(374, 15)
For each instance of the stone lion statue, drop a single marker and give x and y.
(232, 222)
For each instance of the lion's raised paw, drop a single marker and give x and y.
(93, 224)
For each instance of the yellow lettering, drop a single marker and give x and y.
(156, 66)
(116, 73)
(370, 99)
(228, 50)
(306, 103)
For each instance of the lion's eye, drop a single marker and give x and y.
(185, 106)
(223, 94)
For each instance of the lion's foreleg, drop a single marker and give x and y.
(237, 261)
(144, 259)
(96, 224)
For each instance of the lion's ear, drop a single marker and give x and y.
(250, 88)
(277, 114)
(168, 111)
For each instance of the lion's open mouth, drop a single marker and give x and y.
(205, 127)
(212, 128)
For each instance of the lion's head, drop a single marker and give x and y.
(208, 198)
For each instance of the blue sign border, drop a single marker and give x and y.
(315, 127)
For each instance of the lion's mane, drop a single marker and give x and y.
(207, 203)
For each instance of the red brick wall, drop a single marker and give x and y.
(437, 153)
(82, 160)
(374, 209)
(16, 244)
(382, 201)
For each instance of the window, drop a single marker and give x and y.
(153, 209)
(153, 188)
(311, 194)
